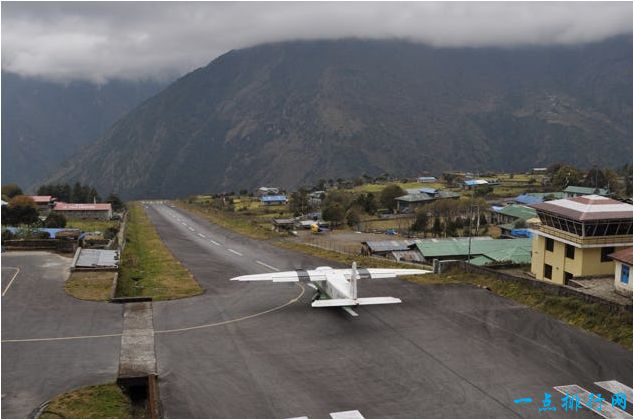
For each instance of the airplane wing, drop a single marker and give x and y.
(379, 273)
(289, 276)
(348, 302)
(320, 274)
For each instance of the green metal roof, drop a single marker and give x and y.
(517, 255)
(417, 197)
(460, 248)
(586, 190)
(518, 211)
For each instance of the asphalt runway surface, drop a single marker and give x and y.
(249, 350)
(36, 312)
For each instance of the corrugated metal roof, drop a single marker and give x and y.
(274, 198)
(516, 255)
(460, 248)
(518, 211)
(586, 190)
(63, 206)
(415, 197)
(475, 182)
(388, 245)
(97, 258)
(41, 199)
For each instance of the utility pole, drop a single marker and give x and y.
(470, 222)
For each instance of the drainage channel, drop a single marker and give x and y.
(137, 360)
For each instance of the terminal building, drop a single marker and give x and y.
(577, 235)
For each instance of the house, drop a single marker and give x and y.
(537, 197)
(473, 183)
(459, 248)
(44, 203)
(519, 255)
(84, 211)
(574, 191)
(427, 179)
(274, 200)
(623, 271)
(411, 201)
(267, 191)
(539, 170)
(385, 247)
(511, 213)
(577, 235)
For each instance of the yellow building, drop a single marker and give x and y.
(577, 235)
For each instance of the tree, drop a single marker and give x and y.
(21, 210)
(566, 176)
(114, 200)
(55, 220)
(334, 213)
(352, 216)
(10, 190)
(437, 227)
(298, 202)
(389, 194)
(421, 223)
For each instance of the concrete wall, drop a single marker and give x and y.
(548, 287)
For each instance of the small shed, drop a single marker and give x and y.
(274, 200)
(623, 269)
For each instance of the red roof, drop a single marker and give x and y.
(63, 206)
(41, 199)
(625, 256)
(587, 208)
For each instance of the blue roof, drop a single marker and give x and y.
(274, 198)
(526, 199)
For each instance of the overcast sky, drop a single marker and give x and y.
(101, 41)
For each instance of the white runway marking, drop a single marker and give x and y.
(191, 228)
(350, 414)
(214, 242)
(235, 252)
(605, 410)
(267, 265)
(616, 387)
(185, 224)
(17, 271)
(202, 235)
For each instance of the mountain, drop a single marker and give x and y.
(290, 113)
(43, 122)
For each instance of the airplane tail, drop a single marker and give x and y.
(353, 283)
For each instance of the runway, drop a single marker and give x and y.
(446, 351)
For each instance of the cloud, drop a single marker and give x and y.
(98, 41)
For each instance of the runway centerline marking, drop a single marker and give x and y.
(235, 252)
(17, 271)
(182, 329)
(214, 242)
(202, 235)
(191, 228)
(267, 265)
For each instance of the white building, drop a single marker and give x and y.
(623, 271)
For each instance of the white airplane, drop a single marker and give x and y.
(336, 287)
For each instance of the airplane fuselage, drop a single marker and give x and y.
(334, 287)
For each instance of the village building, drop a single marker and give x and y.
(44, 203)
(508, 251)
(576, 236)
(267, 191)
(416, 198)
(537, 197)
(84, 211)
(623, 270)
(575, 191)
(512, 220)
(427, 179)
(274, 200)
